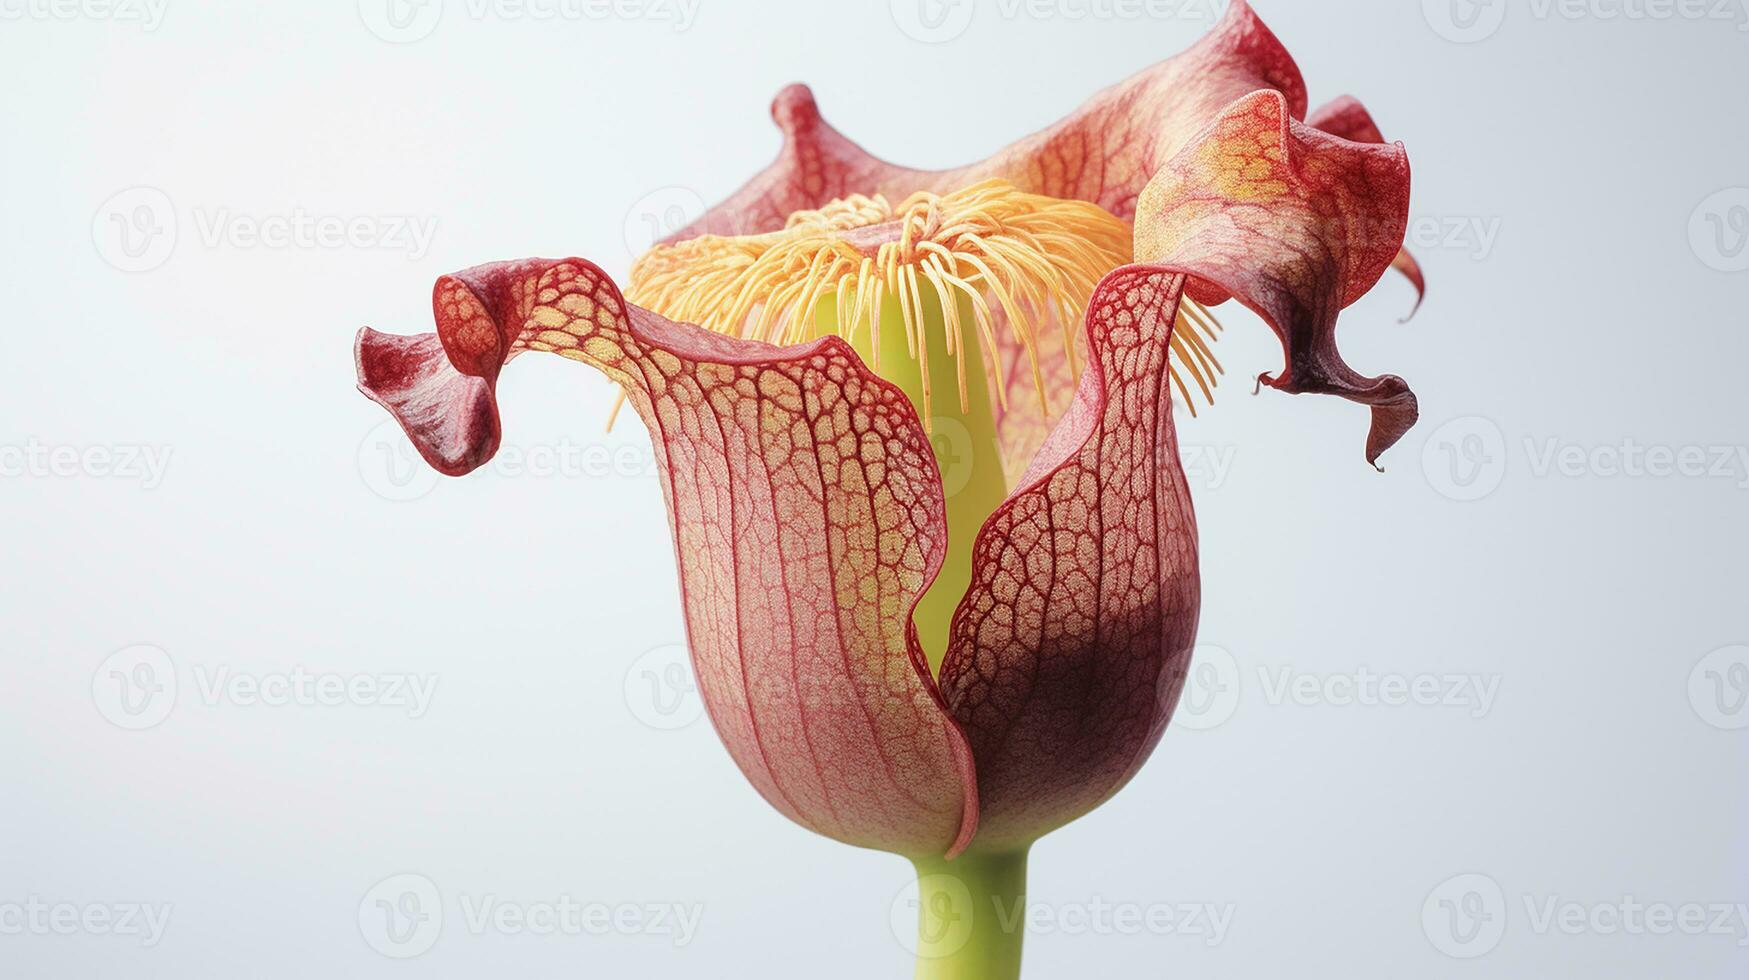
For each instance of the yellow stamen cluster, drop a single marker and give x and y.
(1033, 257)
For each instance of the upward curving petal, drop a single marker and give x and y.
(1347, 118)
(1295, 223)
(1103, 152)
(807, 518)
(1068, 654)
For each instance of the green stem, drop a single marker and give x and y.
(971, 916)
(963, 437)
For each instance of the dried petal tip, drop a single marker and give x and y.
(1024, 258)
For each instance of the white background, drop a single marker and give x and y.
(1590, 298)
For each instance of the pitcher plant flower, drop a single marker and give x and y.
(937, 554)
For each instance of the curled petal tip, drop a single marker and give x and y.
(1406, 264)
(1346, 117)
(802, 688)
(1295, 223)
(451, 418)
(794, 108)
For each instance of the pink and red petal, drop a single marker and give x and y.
(1103, 152)
(1347, 118)
(807, 518)
(1295, 223)
(1069, 651)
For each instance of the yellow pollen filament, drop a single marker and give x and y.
(996, 249)
(921, 291)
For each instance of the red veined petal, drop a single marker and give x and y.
(1297, 224)
(807, 518)
(1103, 152)
(1347, 118)
(1067, 656)
(1069, 651)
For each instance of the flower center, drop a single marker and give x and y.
(926, 292)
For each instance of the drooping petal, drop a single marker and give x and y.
(1347, 117)
(1069, 651)
(807, 518)
(1295, 223)
(1068, 654)
(1104, 152)
(451, 417)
